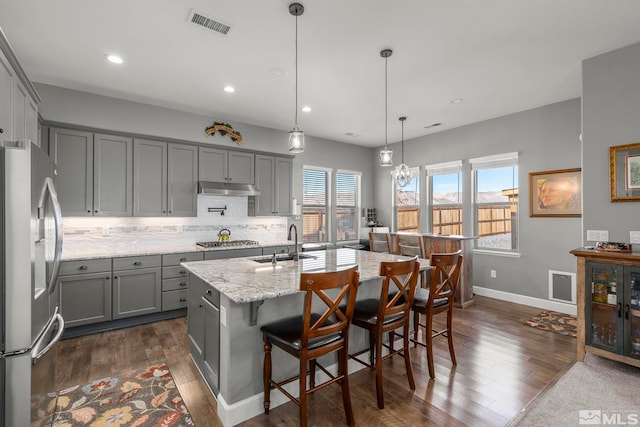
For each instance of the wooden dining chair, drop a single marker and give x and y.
(379, 242)
(438, 298)
(312, 335)
(386, 314)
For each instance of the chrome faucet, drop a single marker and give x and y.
(294, 254)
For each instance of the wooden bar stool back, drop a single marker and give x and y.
(312, 335)
(412, 245)
(438, 298)
(386, 314)
(379, 242)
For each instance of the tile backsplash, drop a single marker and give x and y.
(170, 231)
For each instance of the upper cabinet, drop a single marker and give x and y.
(165, 179)
(18, 99)
(219, 165)
(273, 179)
(94, 172)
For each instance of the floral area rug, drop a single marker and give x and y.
(135, 398)
(554, 321)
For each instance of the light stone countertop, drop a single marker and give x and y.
(243, 280)
(79, 250)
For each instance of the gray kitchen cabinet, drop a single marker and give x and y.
(204, 330)
(18, 107)
(182, 182)
(164, 179)
(85, 291)
(112, 172)
(149, 178)
(94, 172)
(218, 165)
(233, 253)
(137, 286)
(72, 152)
(273, 179)
(175, 279)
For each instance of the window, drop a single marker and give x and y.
(445, 197)
(408, 204)
(315, 205)
(347, 205)
(496, 202)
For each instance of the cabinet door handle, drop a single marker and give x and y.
(82, 267)
(137, 263)
(626, 311)
(200, 306)
(183, 259)
(89, 211)
(115, 277)
(183, 284)
(619, 309)
(183, 271)
(96, 211)
(1, 130)
(106, 278)
(183, 299)
(208, 292)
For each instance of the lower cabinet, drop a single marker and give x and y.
(85, 298)
(175, 279)
(204, 330)
(138, 289)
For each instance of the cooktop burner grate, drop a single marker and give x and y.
(227, 243)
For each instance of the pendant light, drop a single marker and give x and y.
(402, 174)
(386, 154)
(296, 136)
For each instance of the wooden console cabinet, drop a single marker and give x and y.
(608, 291)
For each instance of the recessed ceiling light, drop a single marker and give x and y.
(114, 59)
(229, 89)
(456, 101)
(306, 109)
(278, 71)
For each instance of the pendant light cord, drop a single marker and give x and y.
(402, 141)
(386, 103)
(296, 120)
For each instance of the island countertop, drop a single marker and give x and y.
(244, 280)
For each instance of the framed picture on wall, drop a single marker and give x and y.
(624, 172)
(555, 193)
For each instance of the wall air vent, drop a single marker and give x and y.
(213, 24)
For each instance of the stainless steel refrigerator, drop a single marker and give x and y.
(30, 252)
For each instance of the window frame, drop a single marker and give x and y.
(415, 173)
(445, 168)
(327, 206)
(357, 207)
(494, 162)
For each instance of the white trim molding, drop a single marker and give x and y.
(525, 300)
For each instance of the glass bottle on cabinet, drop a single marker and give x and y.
(613, 308)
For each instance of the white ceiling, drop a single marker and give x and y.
(499, 56)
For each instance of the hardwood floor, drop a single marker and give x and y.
(502, 366)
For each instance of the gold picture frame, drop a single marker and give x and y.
(556, 193)
(624, 172)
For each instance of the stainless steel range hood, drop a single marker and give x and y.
(227, 189)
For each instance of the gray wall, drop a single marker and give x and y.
(96, 111)
(546, 138)
(610, 116)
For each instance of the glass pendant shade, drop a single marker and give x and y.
(402, 175)
(296, 141)
(386, 157)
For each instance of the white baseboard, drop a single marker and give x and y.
(525, 300)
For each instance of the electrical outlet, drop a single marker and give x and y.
(493, 274)
(597, 235)
(634, 237)
(223, 316)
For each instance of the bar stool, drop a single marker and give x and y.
(386, 314)
(312, 335)
(379, 242)
(412, 245)
(437, 299)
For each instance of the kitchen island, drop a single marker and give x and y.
(230, 299)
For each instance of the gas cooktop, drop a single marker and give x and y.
(227, 243)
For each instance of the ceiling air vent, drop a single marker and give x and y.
(208, 22)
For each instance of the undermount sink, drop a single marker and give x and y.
(283, 257)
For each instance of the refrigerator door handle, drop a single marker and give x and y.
(57, 217)
(37, 352)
